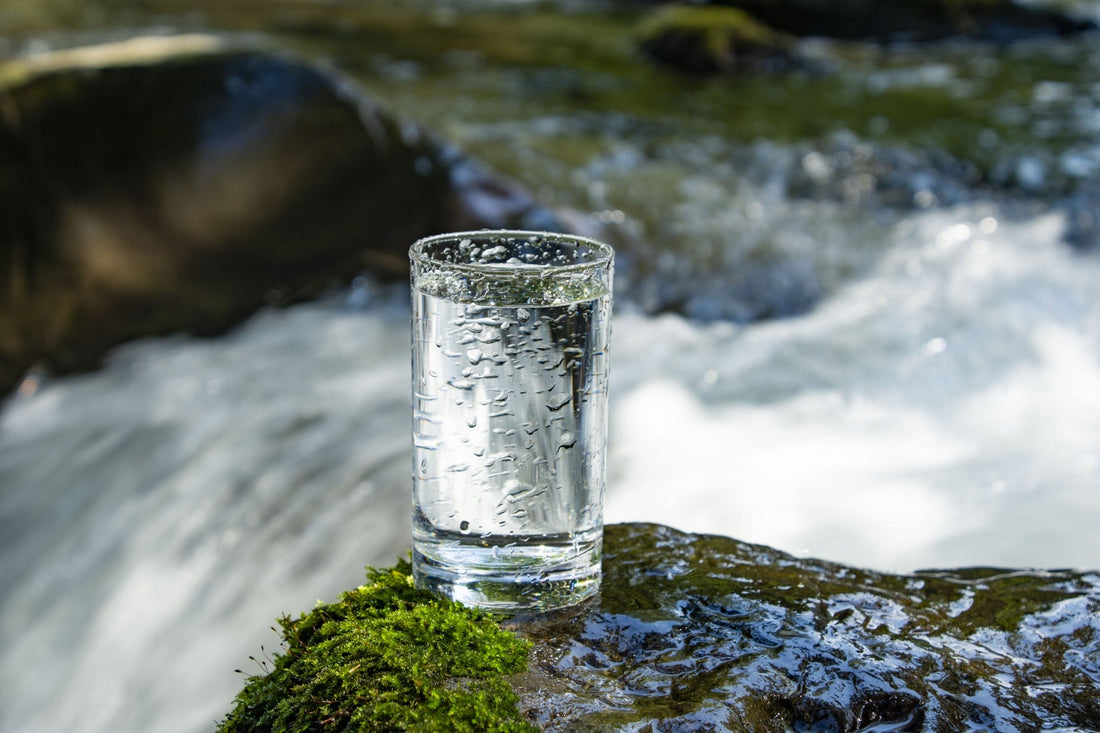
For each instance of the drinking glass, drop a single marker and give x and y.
(509, 376)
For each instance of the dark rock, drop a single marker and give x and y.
(715, 39)
(706, 633)
(179, 183)
(999, 21)
(1083, 217)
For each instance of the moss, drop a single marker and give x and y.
(711, 39)
(386, 657)
(719, 25)
(697, 632)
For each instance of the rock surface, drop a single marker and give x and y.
(713, 39)
(999, 21)
(178, 183)
(707, 633)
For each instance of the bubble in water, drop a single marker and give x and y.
(464, 526)
(491, 252)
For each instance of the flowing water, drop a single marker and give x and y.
(931, 396)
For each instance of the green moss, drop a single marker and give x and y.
(718, 25)
(707, 39)
(387, 657)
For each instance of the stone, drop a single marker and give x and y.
(179, 183)
(700, 633)
(999, 21)
(706, 633)
(761, 35)
(715, 39)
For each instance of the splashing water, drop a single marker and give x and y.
(940, 412)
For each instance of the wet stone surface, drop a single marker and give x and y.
(696, 632)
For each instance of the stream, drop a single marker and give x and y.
(825, 341)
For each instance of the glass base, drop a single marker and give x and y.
(509, 573)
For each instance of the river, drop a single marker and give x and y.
(929, 397)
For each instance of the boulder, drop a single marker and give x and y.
(702, 633)
(706, 633)
(705, 40)
(178, 183)
(999, 21)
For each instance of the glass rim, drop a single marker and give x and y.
(604, 254)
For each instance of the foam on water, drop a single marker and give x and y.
(157, 516)
(940, 412)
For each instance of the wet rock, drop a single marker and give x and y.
(999, 21)
(706, 633)
(760, 35)
(715, 39)
(180, 182)
(1083, 218)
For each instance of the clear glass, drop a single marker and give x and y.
(510, 368)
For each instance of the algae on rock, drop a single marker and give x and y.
(697, 632)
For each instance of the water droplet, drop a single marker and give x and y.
(474, 355)
(556, 403)
(472, 421)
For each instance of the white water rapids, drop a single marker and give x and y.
(158, 515)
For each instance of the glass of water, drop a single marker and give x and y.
(510, 368)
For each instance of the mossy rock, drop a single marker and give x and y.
(698, 632)
(387, 657)
(701, 633)
(714, 39)
(179, 183)
(1001, 21)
